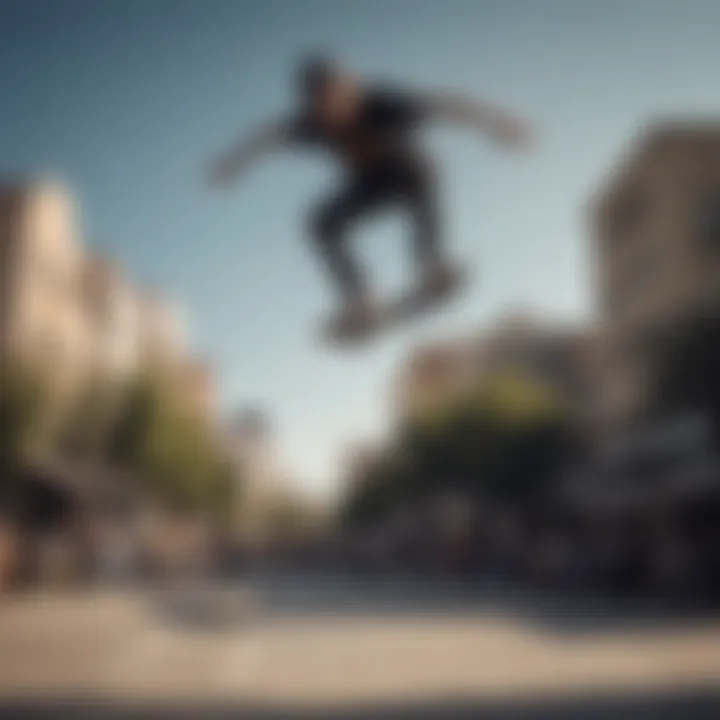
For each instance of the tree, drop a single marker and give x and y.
(223, 494)
(90, 418)
(505, 441)
(375, 492)
(171, 451)
(23, 402)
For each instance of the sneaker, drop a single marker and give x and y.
(358, 311)
(356, 316)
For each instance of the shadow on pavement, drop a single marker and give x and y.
(554, 611)
(691, 704)
(205, 609)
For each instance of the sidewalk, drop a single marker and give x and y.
(114, 645)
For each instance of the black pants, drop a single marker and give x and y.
(408, 184)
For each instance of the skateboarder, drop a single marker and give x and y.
(371, 130)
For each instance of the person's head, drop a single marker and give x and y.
(327, 90)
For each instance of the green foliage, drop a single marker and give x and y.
(170, 450)
(141, 428)
(90, 418)
(23, 402)
(137, 420)
(504, 441)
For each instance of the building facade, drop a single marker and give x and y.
(162, 336)
(551, 353)
(253, 447)
(656, 249)
(114, 315)
(432, 376)
(198, 380)
(74, 313)
(42, 316)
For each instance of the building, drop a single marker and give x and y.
(162, 335)
(656, 248)
(70, 307)
(199, 386)
(41, 314)
(553, 353)
(74, 314)
(433, 375)
(114, 317)
(253, 447)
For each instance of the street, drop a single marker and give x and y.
(298, 647)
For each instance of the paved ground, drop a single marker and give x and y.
(312, 647)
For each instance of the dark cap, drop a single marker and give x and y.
(316, 73)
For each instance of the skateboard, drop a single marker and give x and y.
(396, 310)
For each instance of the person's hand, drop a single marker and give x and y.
(514, 134)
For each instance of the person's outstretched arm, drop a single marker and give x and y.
(498, 124)
(227, 166)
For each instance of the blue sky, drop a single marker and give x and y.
(126, 99)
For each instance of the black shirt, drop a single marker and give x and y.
(381, 134)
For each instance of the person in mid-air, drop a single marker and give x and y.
(371, 130)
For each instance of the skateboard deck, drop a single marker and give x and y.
(395, 311)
